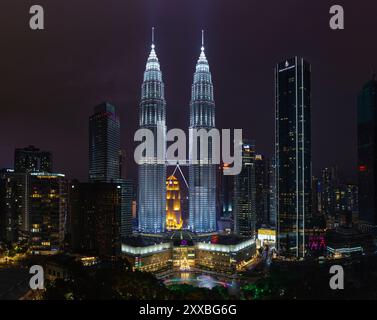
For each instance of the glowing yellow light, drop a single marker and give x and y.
(173, 204)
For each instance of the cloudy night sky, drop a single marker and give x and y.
(91, 51)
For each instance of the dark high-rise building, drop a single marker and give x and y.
(346, 198)
(127, 194)
(329, 184)
(104, 144)
(367, 152)
(318, 219)
(122, 164)
(33, 201)
(293, 154)
(94, 215)
(107, 160)
(245, 193)
(202, 172)
(14, 205)
(151, 202)
(227, 193)
(33, 208)
(46, 216)
(272, 192)
(316, 211)
(12, 190)
(31, 159)
(262, 184)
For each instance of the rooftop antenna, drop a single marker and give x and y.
(152, 37)
(202, 40)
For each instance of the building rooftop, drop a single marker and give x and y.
(142, 241)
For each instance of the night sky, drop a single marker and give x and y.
(93, 51)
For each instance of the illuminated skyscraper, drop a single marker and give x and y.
(245, 215)
(272, 183)
(173, 204)
(293, 154)
(329, 185)
(33, 207)
(13, 205)
(262, 184)
(47, 210)
(202, 173)
(152, 172)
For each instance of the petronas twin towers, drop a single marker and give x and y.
(152, 172)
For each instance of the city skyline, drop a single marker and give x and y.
(243, 77)
(198, 150)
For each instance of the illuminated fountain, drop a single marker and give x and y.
(184, 265)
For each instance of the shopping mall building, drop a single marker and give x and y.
(184, 251)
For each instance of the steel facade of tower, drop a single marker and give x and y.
(202, 173)
(293, 154)
(152, 172)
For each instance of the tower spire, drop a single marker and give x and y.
(202, 57)
(152, 38)
(202, 40)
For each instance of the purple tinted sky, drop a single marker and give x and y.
(96, 50)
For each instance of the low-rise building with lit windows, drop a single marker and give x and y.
(47, 209)
(183, 248)
(185, 251)
(146, 254)
(225, 255)
(60, 266)
(266, 236)
(346, 242)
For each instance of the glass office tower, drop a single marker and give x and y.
(245, 214)
(104, 144)
(293, 154)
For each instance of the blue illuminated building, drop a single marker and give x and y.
(202, 172)
(152, 172)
